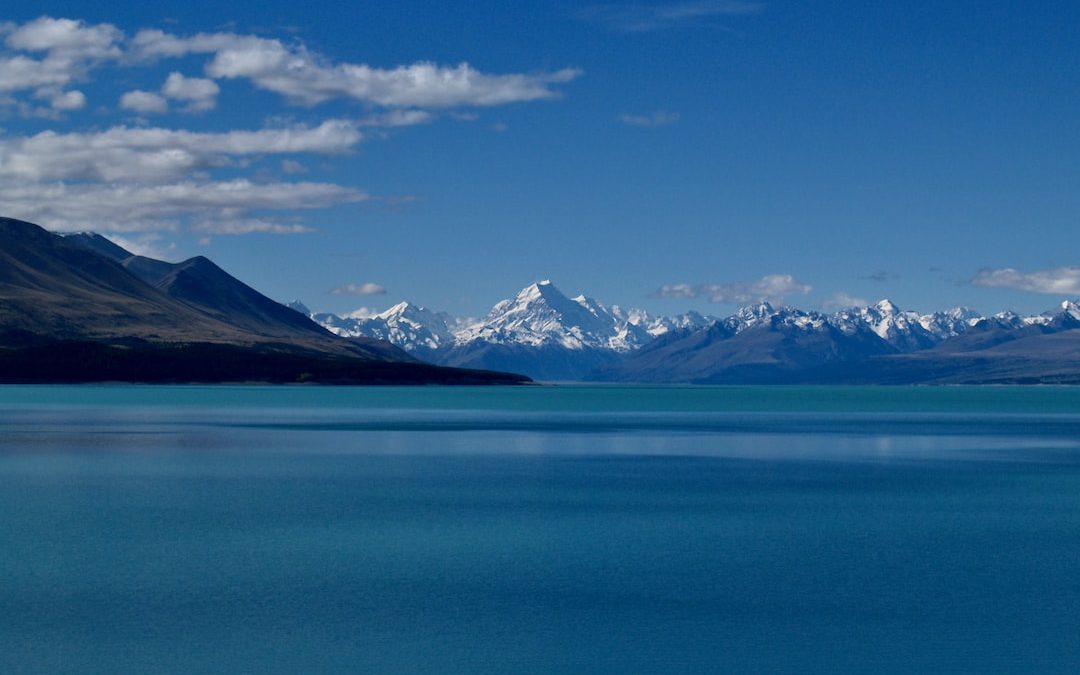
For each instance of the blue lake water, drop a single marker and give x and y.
(539, 529)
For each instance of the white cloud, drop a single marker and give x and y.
(249, 226)
(360, 313)
(144, 102)
(148, 179)
(147, 245)
(67, 38)
(841, 300)
(770, 287)
(1060, 280)
(308, 78)
(397, 118)
(19, 73)
(69, 100)
(656, 119)
(140, 208)
(200, 94)
(147, 154)
(680, 291)
(368, 288)
(71, 48)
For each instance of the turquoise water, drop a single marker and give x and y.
(539, 529)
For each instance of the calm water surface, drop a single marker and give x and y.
(539, 529)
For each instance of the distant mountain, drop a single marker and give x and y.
(877, 345)
(1004, 349)
(540, 331)
(417, 330)
(79, 308)
(757, 344)
(543, 333)
(903, 330)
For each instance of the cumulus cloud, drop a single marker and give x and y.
(656, 119)
(638, 18)
(680, 291)
(66, 38)
(64, 50)
(144, 102)
(309, 78)
(1060, 280)
(134, 208)
(841, 300)
(773, 287)
(199, 94)
(70, 47)
(368, 288)
(148, 179)
(145, 154)
(18, 73)
(69, 100)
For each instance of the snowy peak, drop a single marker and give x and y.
(413, 328)
(407, 311)
(751, 315)
(950, 323)
(886, 307)
(541, 315)
(902, 329)
(664, 324)
(756, 312)
(298, 306)
(1071, 309)
(399, 309)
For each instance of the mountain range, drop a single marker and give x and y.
(549, 336)
(80, 308)
(540, 331)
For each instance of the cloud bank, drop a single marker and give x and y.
(1060, 280)
(307, 78)
(133, 177)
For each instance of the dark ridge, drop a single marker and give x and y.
(69, 362)
(79, 308)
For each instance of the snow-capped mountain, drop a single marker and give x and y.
(540, 315)
(540, 330)
(950, 323)
(543, 333)
(415, 329)
(759, 343)
(904, 330)
(1068, 314)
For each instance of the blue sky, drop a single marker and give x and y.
(672, 156)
